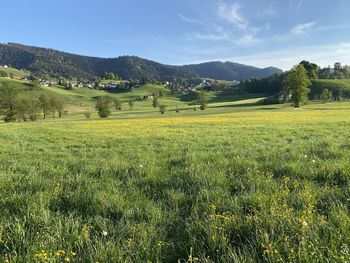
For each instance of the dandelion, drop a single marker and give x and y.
(86, 232)
(305, 156)
(141, 165)
(160, 243)
(304, 224)
(314, 161)
(59, 253)
(67, 259)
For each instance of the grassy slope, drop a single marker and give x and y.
(245, 184)
(331, 84)
(81, 100)
(15, 72)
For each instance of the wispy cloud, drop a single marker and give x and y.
(299, 5)
(226, 23)
(202, 36)
(191, 20)
(232, 15)
(248, 40)
(302, 28)
(323, 55)
(271, 10)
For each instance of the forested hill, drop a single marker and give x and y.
(56, 63)
(229, 71)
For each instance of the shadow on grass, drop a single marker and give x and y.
(258, 103)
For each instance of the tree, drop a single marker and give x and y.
(97, 84)
(87, 115)
(103, 106)
(326, 95)
(36, 85)
(3, 74)
(44, 105)
(8, 103)
(155, 102)
(56, 104)
(117, 104)
(311, 68)
(346, 71)
(202, 99)
(339, 94)
(34, 108)
(162, 108)
(23, 109)
(297, 83)
(60, 107)
(110, 75)
(338, 70)
(131, 104)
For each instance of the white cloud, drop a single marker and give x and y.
(300, 4)
(190, 20)
(248, 40)
(302, 28)
(271, 10)
(226, 23)
(322, 55)
(232, 15)
(200, 36)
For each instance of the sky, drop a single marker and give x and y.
(261, 33)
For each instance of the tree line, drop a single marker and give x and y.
(274, 84)
(297, 82)
(14, 107)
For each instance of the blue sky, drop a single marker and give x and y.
(256, 32)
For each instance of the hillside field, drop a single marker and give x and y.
(15, 72)
(331, 84)
(239, 182)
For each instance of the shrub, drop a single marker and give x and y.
(87, 115)
(162, 108)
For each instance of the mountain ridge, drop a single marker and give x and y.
(58, 63)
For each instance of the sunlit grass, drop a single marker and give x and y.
(239, 184)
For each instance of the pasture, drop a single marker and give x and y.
(236, 183)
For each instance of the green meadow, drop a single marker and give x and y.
(238, 182)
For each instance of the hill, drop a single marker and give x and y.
(230, 71)
(56, 63)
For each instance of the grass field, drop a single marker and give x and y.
(235, 183)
